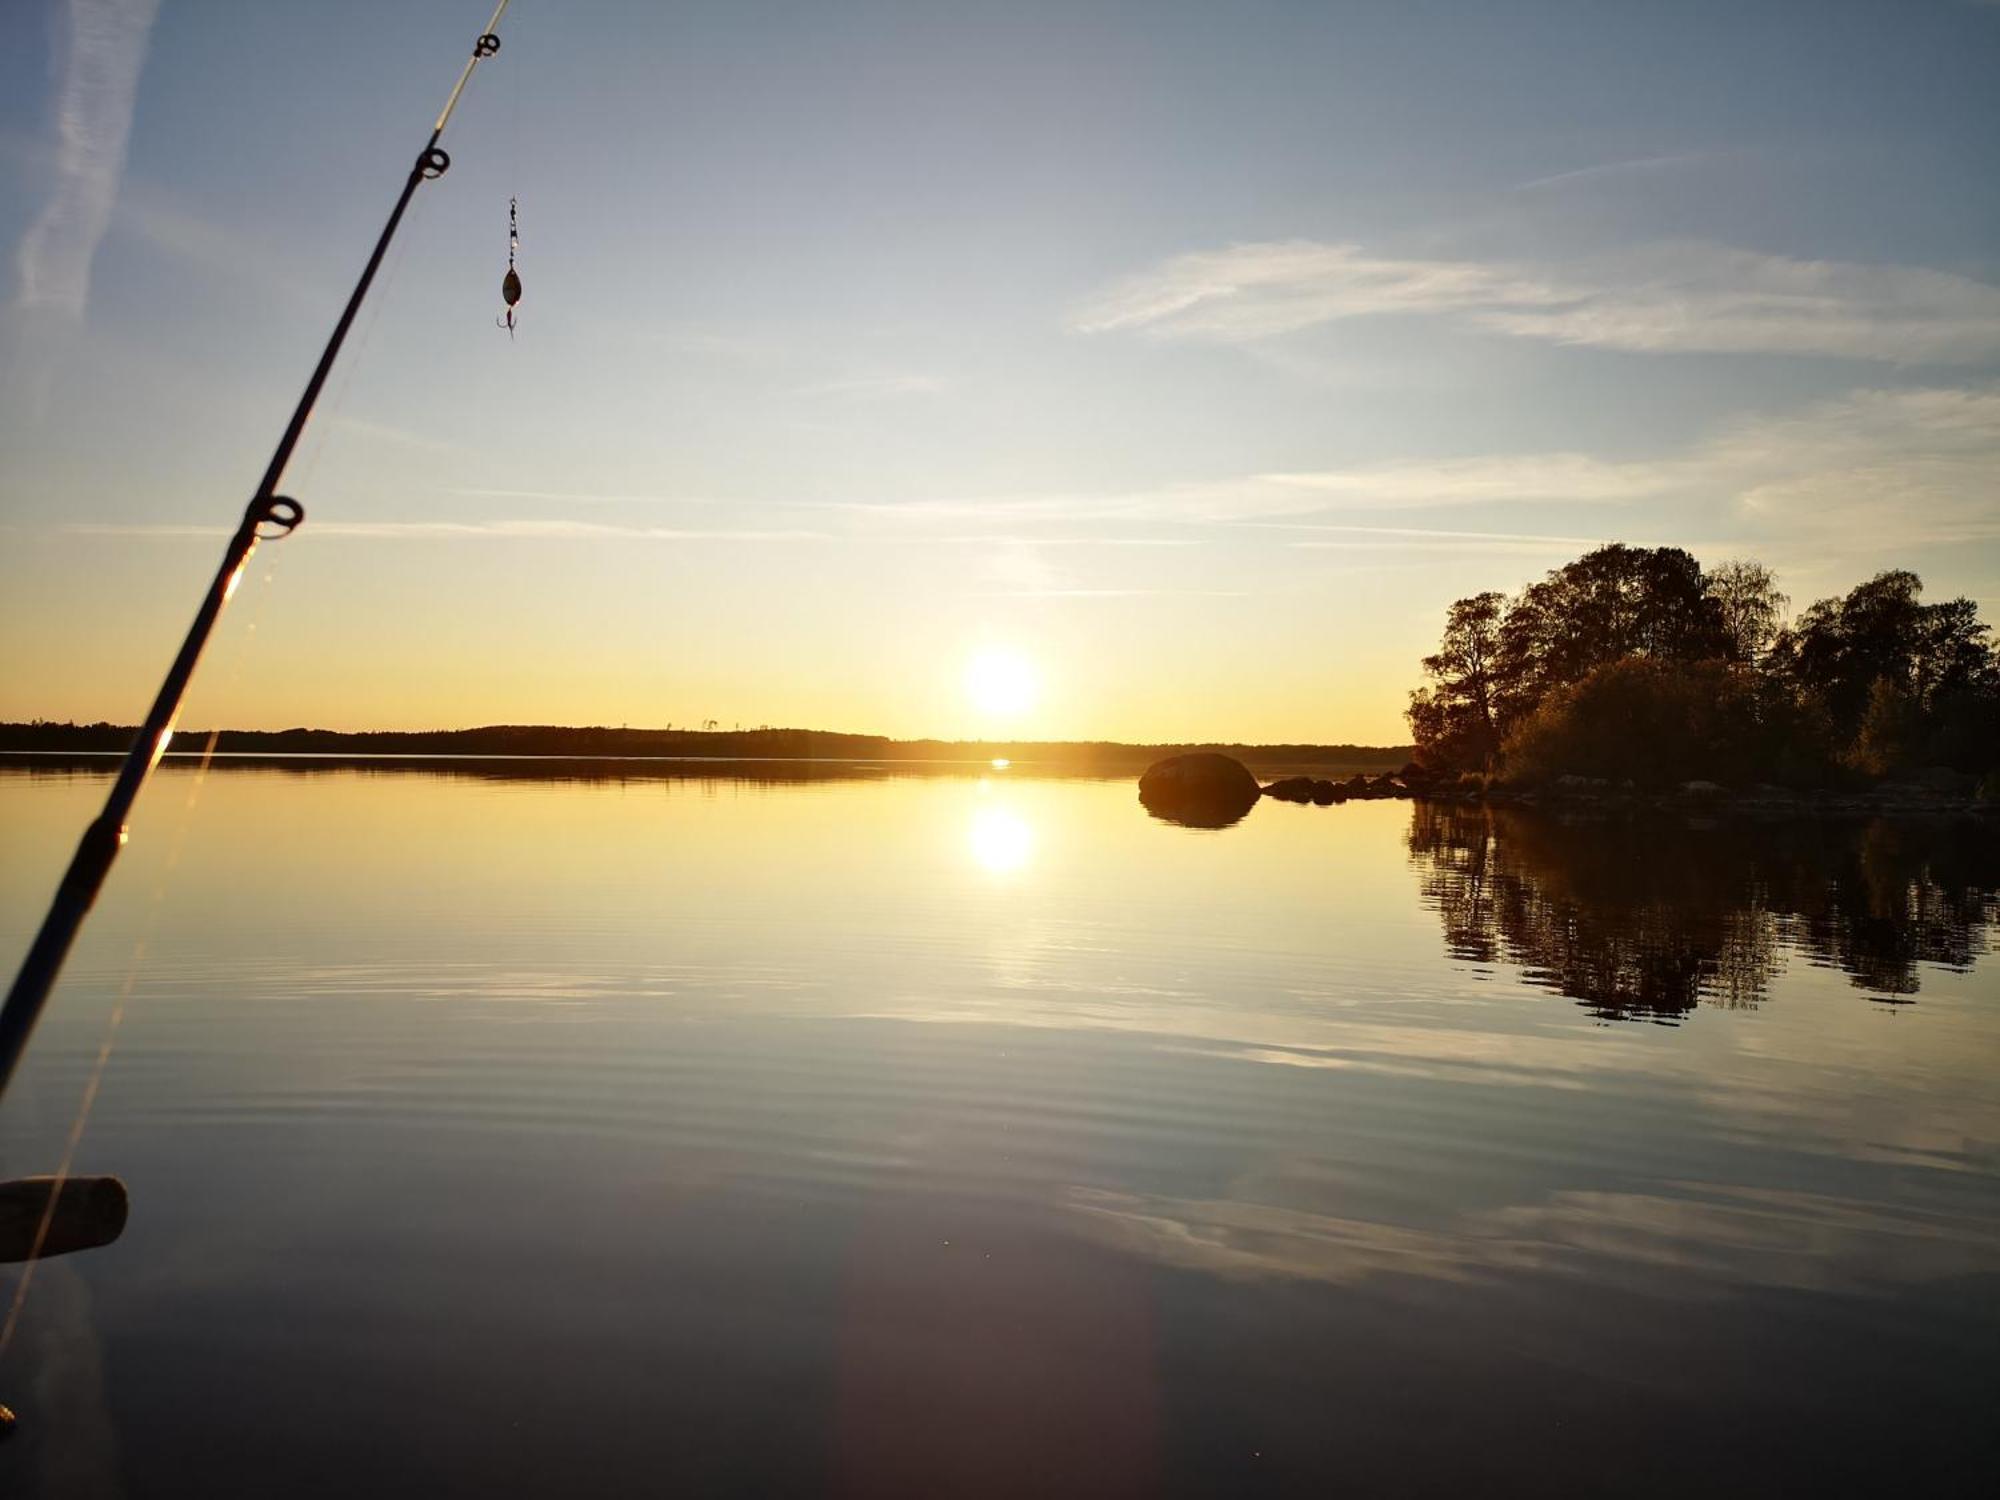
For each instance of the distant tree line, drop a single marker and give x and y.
(761, 743)
(1635, 662)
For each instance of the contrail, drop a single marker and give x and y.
(100, 81)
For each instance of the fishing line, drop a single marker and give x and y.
(510, 284)
(316, 449)
(323, 424)
(514, 95)
(267, 516)
(93, 1083)
(62, 1172)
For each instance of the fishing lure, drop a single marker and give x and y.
(510, 284)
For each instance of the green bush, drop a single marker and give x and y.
(1661, 723)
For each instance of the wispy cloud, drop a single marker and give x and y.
(1258, 290)
(163, 225)
(1671, 298)
(1873, 468)
(1009, 539)
(573, 497)
(871, 387)
(1113, 594)
(389, 432)
(518, 530)
(1497, 545)
(1868, 471)
(106, 50)
(558, 530)
(1430, 539)
(1019, 568)
(1637, 166)
(1488, 479)
(1471, 481)
(1424, 533)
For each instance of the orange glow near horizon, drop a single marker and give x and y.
(357, 635)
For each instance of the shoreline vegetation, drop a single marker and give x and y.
(1634, 673)
(1634, 679)
(593, 742)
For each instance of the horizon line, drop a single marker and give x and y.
(104, 726)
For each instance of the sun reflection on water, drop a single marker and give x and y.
(1000, 839)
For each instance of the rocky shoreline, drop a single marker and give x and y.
(1912, 798)
(1214, 791)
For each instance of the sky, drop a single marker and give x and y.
(1179, 362)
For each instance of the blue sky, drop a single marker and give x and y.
(1199, 355)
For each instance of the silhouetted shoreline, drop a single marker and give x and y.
(560, 742)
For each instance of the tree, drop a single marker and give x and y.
(1952, 654)
(1939, 666)
(1609, 604)
(1875, 680)
(1454, 720)
(1751, 607)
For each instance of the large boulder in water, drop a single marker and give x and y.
(1204, 790)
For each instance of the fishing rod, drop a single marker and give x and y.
(268, 517)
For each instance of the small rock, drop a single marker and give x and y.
(1291, 789)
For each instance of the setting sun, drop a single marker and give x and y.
(1001, 683)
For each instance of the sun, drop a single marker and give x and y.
(1000, 683)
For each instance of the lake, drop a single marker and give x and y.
(512, 1130)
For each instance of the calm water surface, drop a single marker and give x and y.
(966, 1134)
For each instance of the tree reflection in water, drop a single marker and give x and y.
(1644, 919)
